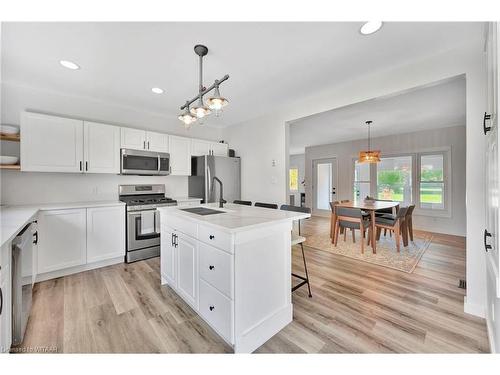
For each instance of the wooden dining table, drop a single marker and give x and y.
(371, 207)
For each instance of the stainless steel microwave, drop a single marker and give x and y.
(144, 163)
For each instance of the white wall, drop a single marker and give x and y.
(30, 187)
(269, 135)
(452, 138)
(298, 161)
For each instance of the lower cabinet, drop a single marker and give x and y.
(61, 239)
(187, 268)
(76, 237)
(5, 298)
(168, 258)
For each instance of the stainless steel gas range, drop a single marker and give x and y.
(143, 219)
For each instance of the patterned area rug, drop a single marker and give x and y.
(386, 256)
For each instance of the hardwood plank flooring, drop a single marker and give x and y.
(356, 308)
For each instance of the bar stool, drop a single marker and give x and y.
(299, 240)
(267, 205)
(245, 203)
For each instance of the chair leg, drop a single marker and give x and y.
(396, 235)
(390, 233)
(379, 230)
(385, 232)
(305, 268)
(404, 232)
(345, 234)
(337, 232)
(353, 236)
(410, 227)
(362, 233)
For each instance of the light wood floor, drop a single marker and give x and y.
(356, 308)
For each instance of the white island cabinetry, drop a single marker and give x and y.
(233, 268)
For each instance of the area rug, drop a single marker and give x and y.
(386, 256)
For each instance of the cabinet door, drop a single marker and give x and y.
(157, 142)
(105, 233)
(219, 149)
(61, 239)
(50, 143)
(187, 269)
(180, 155)
(168, 257)
(199, 147)
(134, 139)
(101, 148)
(5, 296)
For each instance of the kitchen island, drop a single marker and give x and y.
(233, 267)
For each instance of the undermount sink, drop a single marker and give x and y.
(202, 211)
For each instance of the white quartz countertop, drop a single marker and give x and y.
(187, 199)
(236, 217)
(14, 218)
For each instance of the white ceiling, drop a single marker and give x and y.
(271, 64)
(438, 105)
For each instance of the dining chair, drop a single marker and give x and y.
(332, 218)
(245, 203)
(351, 218)
(299, 240)
(395, 223)
(266, 205)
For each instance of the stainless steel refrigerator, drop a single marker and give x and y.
(205, 168)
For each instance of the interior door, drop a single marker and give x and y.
(324, 186)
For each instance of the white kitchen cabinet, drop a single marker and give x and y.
(187, 268)
(180, 155)
(101, 148)
(105, 233)
(134, 139)
(61, 239)
(168, 258)
(50, 143)
(156, 141)
(5, 298)
(200, 147)
(219, 149)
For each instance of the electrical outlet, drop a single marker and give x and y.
(273, 162)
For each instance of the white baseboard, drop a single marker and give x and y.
(491, 338)
(474, 309)
(82, 268)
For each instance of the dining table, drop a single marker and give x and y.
(369, 206)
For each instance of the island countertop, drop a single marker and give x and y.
(236, 217)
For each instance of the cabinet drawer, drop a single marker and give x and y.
(216, 268)
(181, 224)
(217, 310)
(216, 238)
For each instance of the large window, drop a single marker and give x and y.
(294, 179)
(394, 179)
(432, 187)
(361, 180)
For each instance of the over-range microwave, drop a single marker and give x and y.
(144, 163)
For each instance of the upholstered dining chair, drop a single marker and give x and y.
(245, 203)
(351, 218)
(395, 223)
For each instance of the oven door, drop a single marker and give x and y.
(135, 238)
(144, 163)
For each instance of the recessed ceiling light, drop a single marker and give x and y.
(370, 27)
(157, 90)
(69, 64)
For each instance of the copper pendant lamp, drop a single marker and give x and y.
(369, 156)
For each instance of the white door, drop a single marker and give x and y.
(168, 258)
(157, 142)
(180, 155)
(105, 233)
(61, 239)
(219, 149)
(134, 139)
(51, 144)
(199, 147)
(5, 298)
(187, 269)
(324, 186)
(101, 148)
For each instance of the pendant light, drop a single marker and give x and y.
(369, 156)
(214, 103)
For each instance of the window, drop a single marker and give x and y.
(394, 179)
(294, 179)
(432, 188)
(361, 180)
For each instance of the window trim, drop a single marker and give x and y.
(370, 181)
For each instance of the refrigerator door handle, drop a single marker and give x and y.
(209, 185)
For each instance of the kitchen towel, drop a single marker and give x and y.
(148, 221)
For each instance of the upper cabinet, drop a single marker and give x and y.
(51, 144)
(101, 148)
(201, 147)
(144, 140)
(180, 155)
(219, 149)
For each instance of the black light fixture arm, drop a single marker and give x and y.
(206, 91)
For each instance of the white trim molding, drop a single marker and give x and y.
(474, 309)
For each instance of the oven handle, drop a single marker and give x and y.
(157, 221)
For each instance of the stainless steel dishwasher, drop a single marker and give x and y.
(22, 282)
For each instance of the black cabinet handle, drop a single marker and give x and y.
(211, 236)
(486, 117)
(172, 240)
(86, 165)
(80, 165)
(211, 267)
(176, 242)
(35, 241)
(486, 235)
(1, 301)
(148, 145)
(212, 308)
